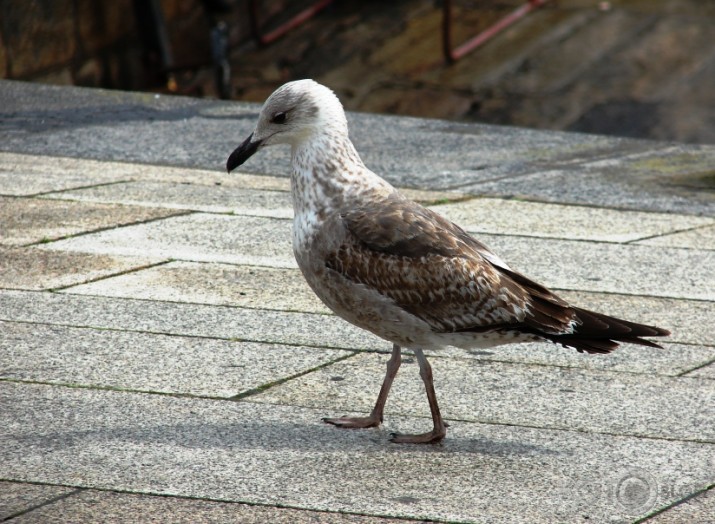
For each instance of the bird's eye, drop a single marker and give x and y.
(279, 118)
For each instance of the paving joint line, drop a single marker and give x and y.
(111, 275)
(509, 424)
(675, 504)
(43, 195)
(167, 334)
(64, 292)
(669, 233)
(496, 178)
(330, 314)
(379, 351)
(696, 344)
(278, 382)
(620, 294)
(600, 241)
(47, 502)
(235, 398)
(151, 180)
(585, 431)
(701, 366)
(537, 200)
(305, 312)
(81, 488)
(569, 368)
(252, 393)
(567, 239)
(111, 389)
(593, 206)
(373, 351)
(253, 308)
(538, 168)
(107, 228)
(444, 201)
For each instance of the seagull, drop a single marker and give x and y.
(399, 270)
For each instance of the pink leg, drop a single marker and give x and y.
(375, 417)
(439, 431)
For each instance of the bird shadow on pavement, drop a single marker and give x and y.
(275, 435)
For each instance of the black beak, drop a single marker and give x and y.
(242, 153)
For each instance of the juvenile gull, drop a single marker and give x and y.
(399, 270)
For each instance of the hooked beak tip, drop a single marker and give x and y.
(242, 153)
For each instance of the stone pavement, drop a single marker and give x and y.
(161, 358)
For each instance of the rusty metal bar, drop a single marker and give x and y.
(272, 36)
(451, 55)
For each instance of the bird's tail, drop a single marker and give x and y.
(598, 333)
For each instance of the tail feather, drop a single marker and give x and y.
(552, 318)
(599, 333)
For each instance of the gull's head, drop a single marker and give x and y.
(294, 113)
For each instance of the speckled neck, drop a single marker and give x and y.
(328, 172)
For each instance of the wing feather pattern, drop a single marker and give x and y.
(435, 270)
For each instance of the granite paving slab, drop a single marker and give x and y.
(208, 283)
(31, 220)
(198, 237)
(492, 215)
(565, 264)
(16, 497)
(93, 506)
(195, 320)
(284, 455)
(179, 195)
(697, 238)
(610, 268)
(26, 175)
(35, 268)
(515, 394)
(148, 362)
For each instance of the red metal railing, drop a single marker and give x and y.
(451, 55)
(272, 36)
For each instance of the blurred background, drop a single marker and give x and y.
(638, 68)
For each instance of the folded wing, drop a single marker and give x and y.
(436, 271)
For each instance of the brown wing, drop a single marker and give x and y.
(439, 273)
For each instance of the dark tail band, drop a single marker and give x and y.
(598, 333)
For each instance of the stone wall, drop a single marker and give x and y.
(98, 43)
